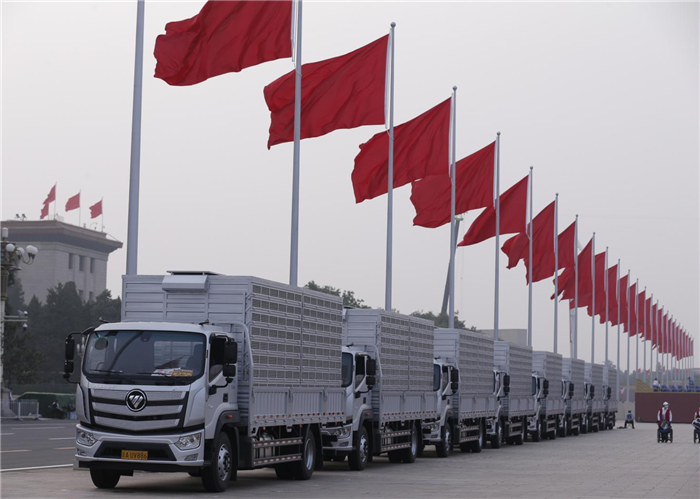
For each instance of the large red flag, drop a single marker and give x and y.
(584, 277)
(632, 326)
(225, 37)
(567, 246)
(612, 295)
(654, 327)
(513, 211)
(51, 196)
(432, 196)
(518, 247)
(420, 149)
(640, 312)
(343, 92)
(96, 209)
(649, 320)
(599, 289)
(44, 211)
(624, 282)
(73, 203)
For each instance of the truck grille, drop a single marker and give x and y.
(162, 411)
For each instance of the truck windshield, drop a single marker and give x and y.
(346, 370)
(143, 355)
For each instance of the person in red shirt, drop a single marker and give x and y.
(664, 414)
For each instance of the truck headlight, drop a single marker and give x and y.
(341, 432)
(85, 438)
(189, 442)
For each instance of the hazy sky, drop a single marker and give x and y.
(602, 98)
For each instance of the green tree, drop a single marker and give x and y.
(349, 299)
(104, 307)
(441, 320)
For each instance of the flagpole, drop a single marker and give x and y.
(55, 199)
(497, 201)
(646, 325)
(132, 240)
(636, 330)
(102, 215)
(576, 289)
(80, 210)
(294, 246)
(628, 335)
(453, 195)
(556, 270)
(607, 306)
(390, 177)
(617, 295)
(529, 283)
(657, 326)
(593, 300)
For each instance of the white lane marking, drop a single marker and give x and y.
(60, 438)
(2, 434)
(29, 427)
(38, 467)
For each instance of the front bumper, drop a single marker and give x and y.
(337, 438)
(163, 454)
(431, 431)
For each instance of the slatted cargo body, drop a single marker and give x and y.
(291, 370)
(516, 360)
(473, 354)
(549, 365)
(574, 372)
(611, 381)
(594, 375)
(404, 345)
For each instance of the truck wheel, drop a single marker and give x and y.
(394, 456)
(357, 459)
(105, 479)
(498, 437)
(215, 478)
(537, 433)
(445, 446)
(553, 434)
(584, 425)
(520, 439)
(302, 470)
(477, 445)
(409, 455)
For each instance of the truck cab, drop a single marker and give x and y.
(440, 431)
(538, 424)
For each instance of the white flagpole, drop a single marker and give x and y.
(619, 321)
(646, 329)
(497, 201)
(294, 245)
(453, 198)
(390, 177)
(556, 270)
(593, 300)
(576, 289)
(628, 335)
(132, 238)
(607, 316)
(657, 326)
(529, 284)
(636, 330)
(102, 216)
(80, 209)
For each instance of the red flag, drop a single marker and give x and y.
(52, 196)
(640, 312)
(225, 37)
(343, 92)
(420, 150)
(567, 245)
(649, 320)
(73, 203)
(584, 277)
(44, 211)
(632, 326)
(432, 196)
(96, 209)
(513, 210)
(624, 282)
(599, 289)
(518, 247)
(612, 295)
(654, 327)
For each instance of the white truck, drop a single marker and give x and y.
(388, 388)
(549, 405)
(611, 396)
(209, 374)
(464, 383)
(595, 401)
(513, 388)
(573, 391)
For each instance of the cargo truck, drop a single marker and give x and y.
(574, 395)
(548, 418)
(388, 388)
(209, 374)
(464, 382)
(595, 402)
(611, 396)
(513, 388)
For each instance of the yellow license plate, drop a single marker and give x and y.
(136, 455)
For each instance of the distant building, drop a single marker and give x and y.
(67, 253)
(517, 336)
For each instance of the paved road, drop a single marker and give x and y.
(611, 464)
(36, 443)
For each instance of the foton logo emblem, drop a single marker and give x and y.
(135, 400)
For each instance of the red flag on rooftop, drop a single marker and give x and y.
(44, 211)
(343, 92)
(73, 203)
(51, 197)
(420, 149)
(96, 209)
(432, 196)
(225, 37)
(513, 210)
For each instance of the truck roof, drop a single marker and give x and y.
(160, 326)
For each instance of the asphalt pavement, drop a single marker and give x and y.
(610, 464)
(36, 443)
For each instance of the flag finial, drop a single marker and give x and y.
(393, 25)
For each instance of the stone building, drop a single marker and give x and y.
(66, 253)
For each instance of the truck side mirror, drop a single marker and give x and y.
(609, 392)
(571, 390)
(506, 381)
(229, 371)
(455, 386)
(592, 391)
(506, 390)
(371, 368)
(545, 386)
(371, 380)
(68, 368)
(454, 376)
(70, 348)
(230, 353)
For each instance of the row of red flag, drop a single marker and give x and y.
(73, 203)
(350, 91)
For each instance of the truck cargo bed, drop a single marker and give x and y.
(549, 365)
(573, 371)
(516, 360)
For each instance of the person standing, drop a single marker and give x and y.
(655, 385)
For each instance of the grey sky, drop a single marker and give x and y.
(602, 98)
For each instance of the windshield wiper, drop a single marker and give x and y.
(109, 372)
(170, 376)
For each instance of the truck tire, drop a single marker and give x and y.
(215, 478)
(498, 437)
(105, 479)
(477, 445)
(445, 446)
(584, 425)
(520, 439)
(537, 433)
(409, 455)
(394, 456)
(357, 459)
(303, 469)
